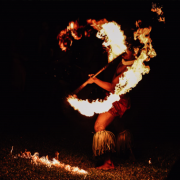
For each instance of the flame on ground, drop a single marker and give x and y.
(126, 82)
(45, 161)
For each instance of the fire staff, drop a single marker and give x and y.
(104, 141)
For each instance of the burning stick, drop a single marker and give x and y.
(85, 83)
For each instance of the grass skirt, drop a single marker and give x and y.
(103, 141)
(123, 141)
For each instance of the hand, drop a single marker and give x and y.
(74, 95)
(91, 79)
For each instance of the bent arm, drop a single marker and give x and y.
(105, 85)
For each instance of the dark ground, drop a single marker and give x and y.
(38, 117)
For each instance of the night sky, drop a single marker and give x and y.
(50, 74)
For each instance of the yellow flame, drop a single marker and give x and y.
(126, 82)
(45, 161)
(113, 36)
(97, 106)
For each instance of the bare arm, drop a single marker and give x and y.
(105, 85)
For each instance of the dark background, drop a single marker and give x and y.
(30, 51)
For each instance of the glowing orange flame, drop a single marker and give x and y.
(45, 161)
(126, 82)
(110, 32)
(97, 24)
(159, 12)
(138, 23)
(63, 36)
(161, 19)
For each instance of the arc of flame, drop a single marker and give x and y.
(126, 82)
(110, 32)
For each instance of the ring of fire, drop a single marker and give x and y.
(114, 41)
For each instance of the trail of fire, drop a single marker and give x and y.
(45, 161)
(127, 82)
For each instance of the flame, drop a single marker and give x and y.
(97, 106)
(73, 27)
(159, 12)
(64, 35)
(110, 32)
(113, 36)
(114, 39)
(129, 79)
(96, 24)
(161, 19)
(45, 161)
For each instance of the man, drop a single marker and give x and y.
(104, 141)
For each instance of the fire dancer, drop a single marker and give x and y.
(104, 141)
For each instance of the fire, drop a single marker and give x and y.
(159, 12)
(110, 32)
(97, 106)
(113, 36)
(114, 39)
(127, 82)
(114, 42)
(45, 161)
(64, 35)
(96, 24)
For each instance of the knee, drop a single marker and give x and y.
(98, 128)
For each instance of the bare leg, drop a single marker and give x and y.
(101, 123)
(103, 120)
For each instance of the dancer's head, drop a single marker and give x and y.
(129, 54)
